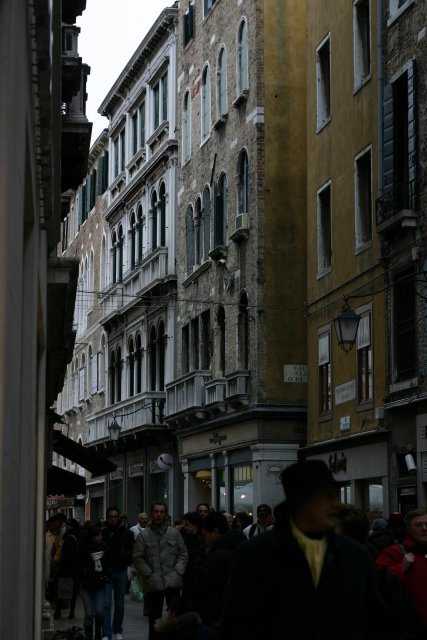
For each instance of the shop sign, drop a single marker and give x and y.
(217, 438)
(135, 470)
(337, 464)
(345, 392)
(117, 474)
(295, 373)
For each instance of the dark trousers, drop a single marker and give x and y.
(154, 600)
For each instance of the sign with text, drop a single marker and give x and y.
(345, 392)
(295, 373)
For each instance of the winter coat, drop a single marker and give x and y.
(119, 541)
(415, 578)
(160, 558)
(214, 574)
(94, 575)
(271, 593)
(68, 566)
(188, 626)
(405, 622)
(196, 548)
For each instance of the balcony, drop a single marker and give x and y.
(215, 394)
(187, 394)
(237, 390)
(397, 208)
(133, 414)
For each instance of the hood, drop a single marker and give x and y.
(178, 624)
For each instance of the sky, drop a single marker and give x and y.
(110, 33)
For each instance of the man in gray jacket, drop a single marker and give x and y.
(160, 558)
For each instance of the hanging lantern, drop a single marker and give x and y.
(346, 325)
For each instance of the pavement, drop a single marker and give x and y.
(135, 625)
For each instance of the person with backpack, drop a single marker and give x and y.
(263, 524)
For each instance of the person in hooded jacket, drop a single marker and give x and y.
(222, 543)
(94, 576)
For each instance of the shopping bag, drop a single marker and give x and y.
(135, 589)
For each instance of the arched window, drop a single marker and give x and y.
(206, 217)
(220, 343)
(131, 368)
(220, 231)
(138, 362)
(242, 57)
(141, 229)
(186, 128)
(132, 238)
(161, 350)
(112, 377)
(83, 379)
(189, 238)
(243, 332)
(120, 255)
(162, 204)
(198, 233)
(114, 250)
(103, 265)
(153, 359)
(221, 83)
(119, 375)
(154, 213)
(243, 182)
(206, 103)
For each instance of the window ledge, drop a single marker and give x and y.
(360, 248)
(396, 15)
(242, 97)
(137, 160)
(220, 122)
(158, 133)
(324, 272)
(196, 273)
(403, 385)
(117, 182)
(205, 140)
(322, 125)
(361, 83)
(218, 252)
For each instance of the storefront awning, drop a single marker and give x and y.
(61, 482)
(87, 458)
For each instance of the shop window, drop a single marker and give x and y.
(221, 493)
(242, 488)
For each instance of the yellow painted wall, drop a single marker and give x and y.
(285, 195)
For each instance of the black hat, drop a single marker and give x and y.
(263, 508)
(301, 480)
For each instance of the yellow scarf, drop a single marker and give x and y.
(314, 551)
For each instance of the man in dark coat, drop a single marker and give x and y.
(118, 556)
(302, 580)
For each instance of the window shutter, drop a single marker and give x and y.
(412, 153)
(93, 189)
(88, 192)
(105, 172)
(80, 214)
(388, 138)
(206, 224)
(154, 227)
(189, 235)
(94, 365)
(81, 384)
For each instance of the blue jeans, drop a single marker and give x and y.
(117, 584)
(93, 603)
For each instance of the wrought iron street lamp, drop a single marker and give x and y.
(114, 429)
(346, 325)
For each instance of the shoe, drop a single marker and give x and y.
(118, 636)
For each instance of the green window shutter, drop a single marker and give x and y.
(99, 174)
(105, 172)
(219, 219)
(80, 209)
(93, 189)
(388, 138)
(412, 141)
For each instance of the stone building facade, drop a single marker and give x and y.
(401, 223)
(237, 402)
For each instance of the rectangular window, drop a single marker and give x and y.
(156, 100)
(205, 343)
(323, 76)
(164, 90)
(404, 326)
(188, 31)
(195, 344)
(134, 133)
(325, 374)
(365, 385)
(363, 199)
(207, 7)
(186, 349)
(160, 101)
(116, 157)
(324, 230)
(361, 41)
(142, 125)
(122, 150)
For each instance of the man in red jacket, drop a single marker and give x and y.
(408, 561)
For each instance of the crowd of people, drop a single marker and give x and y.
(313, 568)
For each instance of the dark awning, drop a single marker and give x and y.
(87, 458)
(61, 482)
